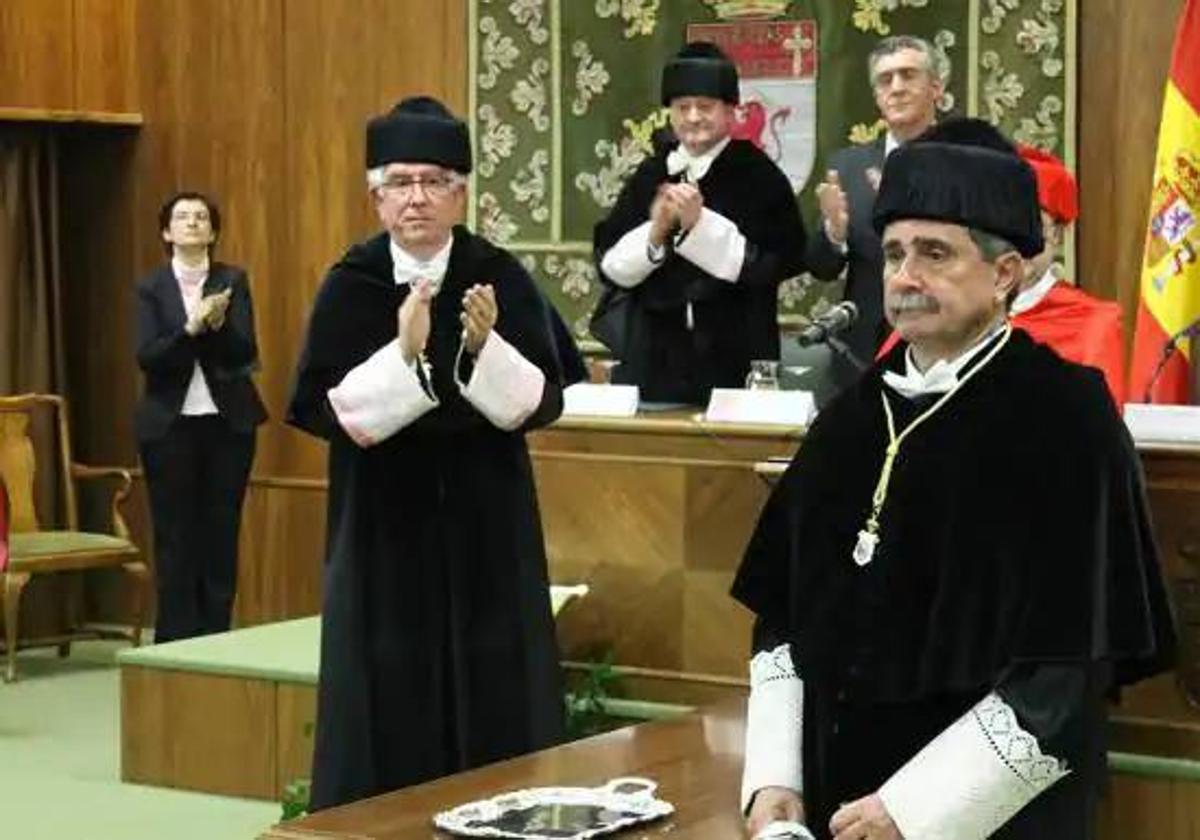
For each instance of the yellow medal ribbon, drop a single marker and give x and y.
(868, 537)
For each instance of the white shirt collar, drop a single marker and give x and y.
(406, 268)
(680, 159)
(183, 270)
(942, 374)
(1026, 299)
(890, 144)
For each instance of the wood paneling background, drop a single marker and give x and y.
(1124, 56)
(263, 103)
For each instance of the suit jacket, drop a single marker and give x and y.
(167, 354)
(863, 259)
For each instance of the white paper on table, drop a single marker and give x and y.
(779, 408)
(1163, 423)
(589, 398)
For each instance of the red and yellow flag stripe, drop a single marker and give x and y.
(1170, 284)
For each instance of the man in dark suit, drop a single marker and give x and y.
(907, 84)
(197, 418)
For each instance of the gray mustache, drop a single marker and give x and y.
(911, 302)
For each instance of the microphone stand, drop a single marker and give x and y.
(842, 349)
(1169, 349)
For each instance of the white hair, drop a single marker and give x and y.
(375, 177)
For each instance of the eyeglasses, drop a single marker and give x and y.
(183, 216)
(435, 186)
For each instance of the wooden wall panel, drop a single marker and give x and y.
(282, 552)
(106, 77)
(1124, 55)
(36, 54)
(341, 69)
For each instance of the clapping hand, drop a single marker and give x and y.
(478, 316)
(835, 209)
(210, 313)
(413, 321)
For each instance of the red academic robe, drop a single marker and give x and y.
(1080, 328)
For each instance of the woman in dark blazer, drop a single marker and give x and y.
(197, 418)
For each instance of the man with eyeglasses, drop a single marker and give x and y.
(430, 352)
(907, 85)
(697, 244)
(958, 568)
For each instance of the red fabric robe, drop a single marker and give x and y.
(1080, 328)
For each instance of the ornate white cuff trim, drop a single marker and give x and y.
(628, 262)
(379, 397)
(716, 245)
(972, 778)
(505, 387)
(774, 725)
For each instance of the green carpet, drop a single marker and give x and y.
(60, 761)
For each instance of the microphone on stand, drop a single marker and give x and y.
(1170, 348)
(836, 319)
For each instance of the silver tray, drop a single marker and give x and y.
(558, 813)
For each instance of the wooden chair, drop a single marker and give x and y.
(32, 550)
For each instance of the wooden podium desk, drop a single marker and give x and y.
(695, 758)
(653, 513)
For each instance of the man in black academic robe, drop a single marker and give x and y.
(429, 353)
(694, 250)
(958, 568)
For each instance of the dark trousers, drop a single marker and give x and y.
(196, 475)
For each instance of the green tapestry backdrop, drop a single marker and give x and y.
(564, 98)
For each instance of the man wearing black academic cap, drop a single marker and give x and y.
(429, 353)
(697, 244)
(958, 568)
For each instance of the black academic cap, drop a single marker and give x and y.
(964, 172)
(700, 69)
(420, 129)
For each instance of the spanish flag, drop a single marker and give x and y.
(1169, 308)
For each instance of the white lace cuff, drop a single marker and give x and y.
(505, 386)
(972, 778)
(379, 397)
(714, 244)
(774, 724)
(628, 262)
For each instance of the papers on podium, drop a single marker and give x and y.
(1163, 424)
(588, 398)
(779, 408)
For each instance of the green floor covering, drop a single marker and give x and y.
(60, 760)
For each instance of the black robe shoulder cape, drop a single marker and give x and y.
(734, 323)
(1016, 557)
(1015, 530)
(438, 649)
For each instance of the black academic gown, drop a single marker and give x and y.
(733, 323)
(438, 650)
(1016, 556)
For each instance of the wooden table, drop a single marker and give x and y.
(696, 760)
